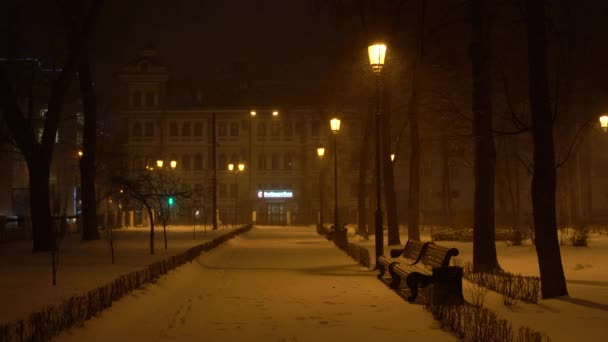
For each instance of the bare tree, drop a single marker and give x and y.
(553, 281)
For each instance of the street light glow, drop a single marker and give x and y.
(320, 151)
(241, 167)
(377, 53)
(230, 167)
(275, 113)
(79, 153)
(253, 113)
(335, 125)
(173, 164)
(392, 157)
(604, 122)
(159, 163)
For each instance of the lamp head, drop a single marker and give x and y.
(377, 54)
(173, 164)
(335, 125)
(320, 151)
(230, 167)
(241, 167)
(275, 113)
(159, 163)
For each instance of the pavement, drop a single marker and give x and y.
(269, 284)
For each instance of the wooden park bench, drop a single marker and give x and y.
(433, 267)
(410, 255)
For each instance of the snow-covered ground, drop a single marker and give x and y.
(26, 277)
(280, 284)
(269, 284)
(583, 313)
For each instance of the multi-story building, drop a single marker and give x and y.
(273, 135)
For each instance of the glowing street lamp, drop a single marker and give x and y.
(335, 128)
(253, 113)
(604, 122)
(80, 153)
(320, 151)
(392, 157)
(320, 154)
(241, 167)
(275, 113)
(173, 164)
(377, 54)
(159, 163)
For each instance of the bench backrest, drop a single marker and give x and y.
(437, 256)
(412, 250)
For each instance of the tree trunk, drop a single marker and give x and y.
(413, 204)
(151, 218)
(446, 188)
(389, 179)
(42, 223)
(364, 158)
(484, 245)
(553, 281)
(87, 163)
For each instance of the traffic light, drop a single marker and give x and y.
(170, 201)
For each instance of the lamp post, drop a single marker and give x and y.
(239, 168)
(377, 53)
(321, 153)
(335, 128)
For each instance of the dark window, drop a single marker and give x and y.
(186, 162)
(149, 99)
(234, 129)
(233, 190)
(261, 129)
(288, 161)
(149, 129)
(222, 165)
(198, 129)
(315, 129)
(144, 67)
(222, 129)
(275, 129)
(198, 162)
(137, 98)
(288, 129)
(137, 129)
(234, 159)
(222, 190)
(173, 129)
(261, 161)
(274, 164)
(186, 129)
(300, 127)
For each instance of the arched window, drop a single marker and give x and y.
(137, 98)
(137, 130)
(198, 162)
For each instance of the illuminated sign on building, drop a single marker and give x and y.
(275, 194)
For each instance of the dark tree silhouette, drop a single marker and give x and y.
(553, 281)
(484, 245)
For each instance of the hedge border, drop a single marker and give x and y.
(49, 322)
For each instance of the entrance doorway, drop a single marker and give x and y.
(276, 214)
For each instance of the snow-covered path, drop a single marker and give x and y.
(270, 284)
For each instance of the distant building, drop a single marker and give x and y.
(168, 119)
